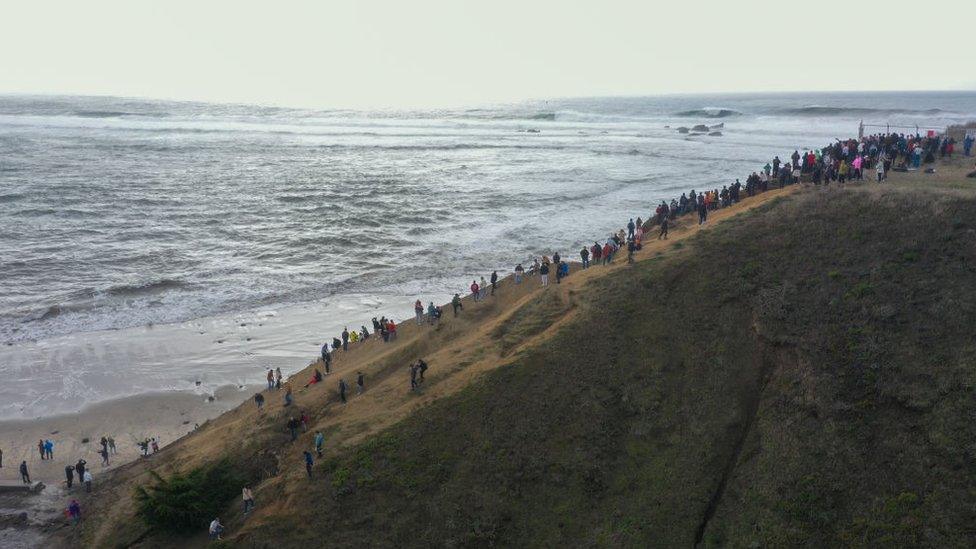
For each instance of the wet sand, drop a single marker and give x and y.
(166, 416)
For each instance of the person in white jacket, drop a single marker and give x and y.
(216, 529)
(248, 499)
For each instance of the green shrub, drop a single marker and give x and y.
(185, 503)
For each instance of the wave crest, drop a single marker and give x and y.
(708, 113)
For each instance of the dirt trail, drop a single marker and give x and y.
(458, 350)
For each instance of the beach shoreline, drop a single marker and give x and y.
(167, 416)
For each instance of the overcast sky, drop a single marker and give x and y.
(397, 53)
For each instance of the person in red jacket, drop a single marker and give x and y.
(474, 289)
(607, 253)
(391, 327)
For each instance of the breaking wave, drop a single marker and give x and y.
(708, 113)
(821, 110)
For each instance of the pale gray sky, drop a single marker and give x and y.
(398, 53)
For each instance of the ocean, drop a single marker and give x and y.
(158, 245)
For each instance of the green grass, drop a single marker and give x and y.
(802, 377)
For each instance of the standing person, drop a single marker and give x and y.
(630, 228)
(494, 281)
(216, 529)
(271, 383)
(632, 246)
(69, 475)
(483, 287)
(278, 377)
(881, 169)
(664, 229)
(456, 303)
(288, 397)
(421, 369)
(1, 458)
(259, 400)
(319, 441)
(87, 477)
(585, 256)
(49, 449)
(519, 271)
(360, 383)
(702, 213)
(413, 376)
(475, 290)
(248, 498)
(432, 313)
(544, 273)
(111, 446)
(325, 354)
(391, 327)
(74, 511)
(80, 468)
(418, 311)
(342, 390)
(24, 475)
(327, 357)
(293, 427)
(104, 453)
(40, 448)
(308, 463)
(345, 339)
(304, 419)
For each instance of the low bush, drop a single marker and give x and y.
(185, 503)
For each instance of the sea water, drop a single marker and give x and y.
(158, 245)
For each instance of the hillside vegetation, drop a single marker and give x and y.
(800, 374)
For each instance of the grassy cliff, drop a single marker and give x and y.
(800, 374)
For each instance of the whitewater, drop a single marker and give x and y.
(158, 246)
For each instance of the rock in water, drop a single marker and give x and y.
(715, 134)
(700, 128)
(683, 129)
(717, 126)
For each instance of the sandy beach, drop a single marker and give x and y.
(166, 416)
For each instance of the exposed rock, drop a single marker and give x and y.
(716, 134)
(717, 126)
(683, 129)
(700, 128)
